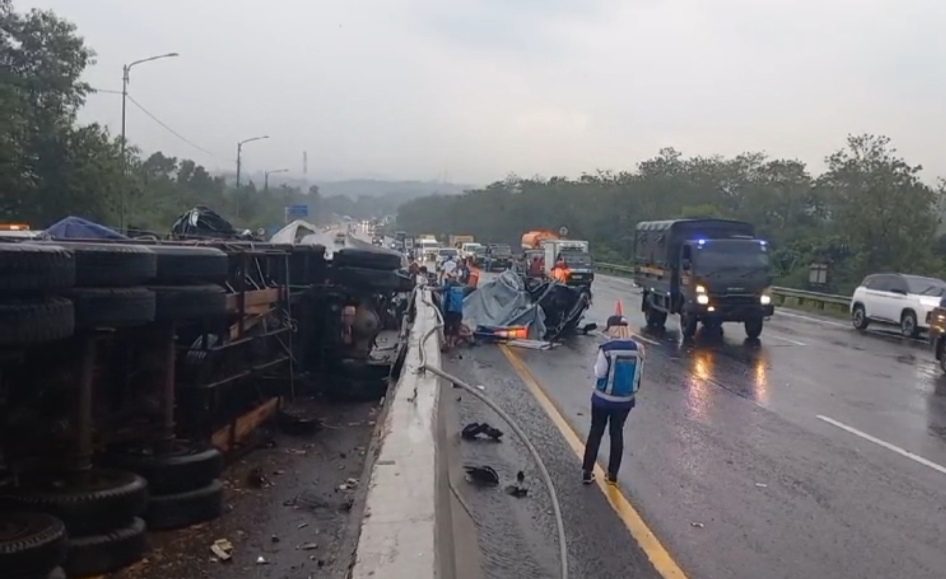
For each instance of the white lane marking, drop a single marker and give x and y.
(645, 339)
(885, 444)
(781, 312)
(784, 339)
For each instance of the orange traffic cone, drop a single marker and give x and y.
(619, 308)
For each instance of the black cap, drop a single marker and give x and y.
(615, 321)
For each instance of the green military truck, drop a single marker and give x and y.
(707, 271)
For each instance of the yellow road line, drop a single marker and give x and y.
(658, 555)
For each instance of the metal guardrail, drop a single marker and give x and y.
(802, 297)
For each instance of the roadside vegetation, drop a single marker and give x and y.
(869, 211)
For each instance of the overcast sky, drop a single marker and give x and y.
(475, 90)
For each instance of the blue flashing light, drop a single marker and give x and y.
(763, 242)
(701, 241)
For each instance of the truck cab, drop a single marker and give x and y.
(574, 253)
(707, 271)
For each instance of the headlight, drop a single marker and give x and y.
(765, 299)
(700, 289)
(702, 299)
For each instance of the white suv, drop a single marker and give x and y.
(894, 298)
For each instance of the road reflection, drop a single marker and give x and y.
(742, 369)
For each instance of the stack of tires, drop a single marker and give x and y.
(182, 475)
(371, 269)
(91, 519)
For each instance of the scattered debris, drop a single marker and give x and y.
(256, 479)
(520, 477)
(352, 482)
(278, 472)
(481, 387)
(696, 524)
(347, 505)
(222, 549)
(531, 344)
(261, 560)
(517, 491)
(295, 422)
(302, 525)
(274, 539)
(473, 429)
(342, 455)
(482, 475)
(309, 546)
(762, 485)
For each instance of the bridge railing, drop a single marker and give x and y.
(829, 303)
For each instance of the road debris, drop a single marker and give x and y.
(261, 560)
(472, 430)
(222, 549)
(517, 491)
(482, 475)
(309, 546)
(762, 485)
(696, 524)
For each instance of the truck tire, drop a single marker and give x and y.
(655, 318)
(112, 264)
(25, 322)
(174, 511)
(112, 307)
(908, 326)
(373, 279)
(26, 267)
(859, 318)
(185, 467)
(688, 324)
(108, 551)
(189, 264)
(753, 328)
(87, 502)
(367, 258)
(31, 545)
(189, 302)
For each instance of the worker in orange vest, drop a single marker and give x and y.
(561, 272)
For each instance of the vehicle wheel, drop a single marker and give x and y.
(87, 502)
(369, 258)
(908, 325)
(174, 511)
(184, 264)
(373, 279)
(112, 307)
(859, 318)
(24, 322)
(31, 545)
(106, 552)
(189, 302)
(185, 467)
(112, 264)
(27, 267)
(687, 325)
(753, 327)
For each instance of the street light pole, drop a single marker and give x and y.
(126, 68)
(266, 175)
(240, 153)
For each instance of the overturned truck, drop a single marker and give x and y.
(128, 366)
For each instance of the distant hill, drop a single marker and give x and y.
(406, 190)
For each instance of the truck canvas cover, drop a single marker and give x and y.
(658, 242)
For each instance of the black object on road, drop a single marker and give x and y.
(482, 475)
(472, 431)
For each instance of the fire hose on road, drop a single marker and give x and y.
(547, 479)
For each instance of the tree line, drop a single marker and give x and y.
(52, 166)
(868, 211)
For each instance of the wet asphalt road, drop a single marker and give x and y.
(736, 455)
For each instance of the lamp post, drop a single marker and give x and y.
(125, 77)
(266, 175)
(240, 153)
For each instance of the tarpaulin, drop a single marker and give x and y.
(294, 233)
(504, 301)
(79, 228)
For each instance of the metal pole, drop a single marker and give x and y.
(124, 191)
(266, 182)
(239, 152)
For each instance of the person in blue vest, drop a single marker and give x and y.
(618, 369)
(452, 301)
